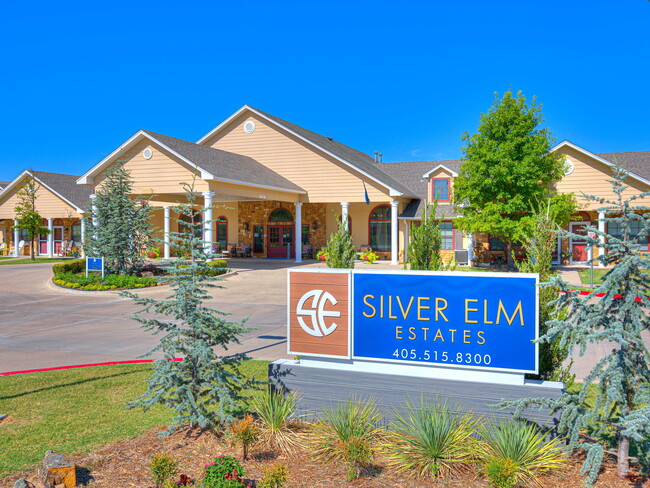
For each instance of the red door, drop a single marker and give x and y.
(280, 242)
(579, 246)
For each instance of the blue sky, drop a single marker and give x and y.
(403, 78)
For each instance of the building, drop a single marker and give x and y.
(280, 189)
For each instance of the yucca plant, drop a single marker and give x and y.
(431, 439)
(525, 445)
(348, 434)
(274, 409)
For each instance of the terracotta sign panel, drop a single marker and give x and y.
(319, 313)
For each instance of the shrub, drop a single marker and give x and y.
(524, 444)
(501, 472)
(212, 271)
(95, 282)
(348, 434)
(163, 468)
(245, 432)
(369, 256)
(224, 472)
(218, 263)
(273, 409)
(153, 253)
(74, 266)
(274, 477)
(431, 439)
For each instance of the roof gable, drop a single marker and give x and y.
(62, 185)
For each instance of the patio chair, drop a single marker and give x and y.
(62, 249)
(244, 251)
(306, 251)
(21, 247)
(232, 250)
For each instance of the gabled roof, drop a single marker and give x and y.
(213, 164)
(62, 185)
(3, 184)
(345, 154)
(637, 159)
(440, 166)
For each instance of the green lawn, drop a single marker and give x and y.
(598, 274)
(8, 261)
(76, 411)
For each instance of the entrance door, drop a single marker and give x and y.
(57, 235)
(579, 252)
(42, 244)
(280, 243)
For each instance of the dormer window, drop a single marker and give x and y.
(440, 189)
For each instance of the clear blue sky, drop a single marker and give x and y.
(403, 78)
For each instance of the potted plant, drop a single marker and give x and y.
(369, 256)
(322, 255)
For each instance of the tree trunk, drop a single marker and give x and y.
(623, 467)
(31, 249)
(508, 251)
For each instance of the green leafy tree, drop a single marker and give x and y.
(28, 217)
(205, 388)
(621, 378)
(506, 165)
(538, 235)
(340, 251)
(425, 242)
(122, 233)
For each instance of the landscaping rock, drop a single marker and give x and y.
(59, 469)
(147, 274)
(23, 483)
(42, 485)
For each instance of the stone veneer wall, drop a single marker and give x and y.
(257, 213)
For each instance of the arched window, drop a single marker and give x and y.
(379, 228)
(281, 215)
(222, 232)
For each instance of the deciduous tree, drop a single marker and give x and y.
(28, 217)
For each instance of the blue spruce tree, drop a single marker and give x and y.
(204, 389)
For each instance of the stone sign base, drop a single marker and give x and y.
(321, 388)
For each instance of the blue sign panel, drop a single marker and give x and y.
(478, 321)
(94, 264)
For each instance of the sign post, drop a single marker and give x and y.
(95, 264)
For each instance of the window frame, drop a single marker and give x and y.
(451, 236)
(433, 189)
(641, 246)
(383, 221)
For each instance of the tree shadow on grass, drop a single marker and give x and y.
(64, 385)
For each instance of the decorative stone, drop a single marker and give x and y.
(23, 483)
(147, 274)
(59, 469)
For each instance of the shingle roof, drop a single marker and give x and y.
(356, 158)
(67, 187)
(638, 162)
(226, 165)
(411, 174)
(3, 184)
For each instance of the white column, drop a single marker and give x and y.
(470, 248)
(394, 252)
(207, 220)
(93, 204)
(601, 228)
(83, 237)
(16, 237)
(166, 246)
(50, 237)
(344, 213)
(407, 227)
(297, 241)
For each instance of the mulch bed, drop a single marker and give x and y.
(125, 464)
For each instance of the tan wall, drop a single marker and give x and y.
(163, 173)
(48, 205)
(324, 178)
(440, 173)
(591, 177)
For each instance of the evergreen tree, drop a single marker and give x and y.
(340, 251)
(617, 320)
(28, 217)
(425, 242)
(122, 233)
(506, 165)
(204, 388)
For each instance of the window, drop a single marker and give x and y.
(447, 232)
(222, 232)
(76, 233)
(379, 229)
(281, 215)
(636, 242)
(441, 189)
(305, 234)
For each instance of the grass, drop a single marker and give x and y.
(6, 260)
(598, 275)
(76, 411)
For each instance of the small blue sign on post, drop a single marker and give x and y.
(95, 264)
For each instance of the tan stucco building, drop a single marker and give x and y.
(276, 187)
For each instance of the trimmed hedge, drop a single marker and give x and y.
(94, 282)
(74, 266)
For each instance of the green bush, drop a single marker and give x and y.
(163, 468)
(525, 445)
(218, 263)
(224, 472)
(274, 477)
(74, 266)
(501, 472)
(213, 270)
(95, 282)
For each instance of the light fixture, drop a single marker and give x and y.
(314, 225)
(246, 226)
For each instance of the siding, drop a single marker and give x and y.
(47, 204)
(163, 173)
(324, 178)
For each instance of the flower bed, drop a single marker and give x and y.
(96, 283)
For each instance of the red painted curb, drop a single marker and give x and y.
(57, 368)
(600, 295)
